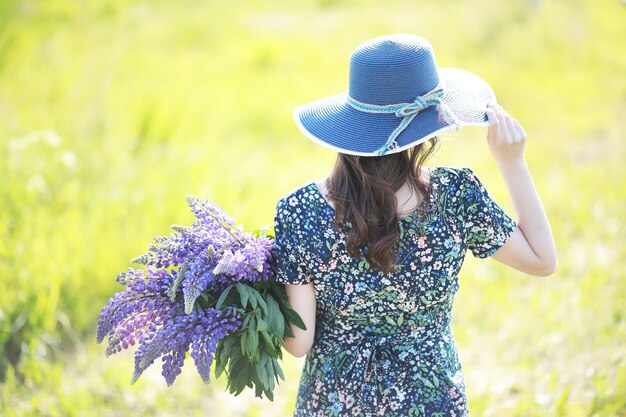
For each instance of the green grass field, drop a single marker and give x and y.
(112, 111)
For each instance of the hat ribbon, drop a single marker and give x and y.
(407, 111)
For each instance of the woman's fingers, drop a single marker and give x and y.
(502, 127)
(497, 124)
(511, 133)
(504, 124)
(505, 135)
(520, 130)
(494, 124)
(502, 117)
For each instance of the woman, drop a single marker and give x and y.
(370, 257)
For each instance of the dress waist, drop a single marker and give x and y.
(397, 325)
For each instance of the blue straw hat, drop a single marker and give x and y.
(397, 98)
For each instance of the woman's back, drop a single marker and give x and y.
(383, 343)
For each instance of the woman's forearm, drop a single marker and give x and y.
(302, 300)
(531, 216)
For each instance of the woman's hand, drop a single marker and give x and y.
(505, 136)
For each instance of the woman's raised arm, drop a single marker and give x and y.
(531, 247)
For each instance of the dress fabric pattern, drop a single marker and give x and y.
(383, 343)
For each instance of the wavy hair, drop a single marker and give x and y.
(363, 192)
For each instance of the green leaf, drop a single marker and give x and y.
(244, 323)
(253, 302)
(293, 317)
(258, 389)
(220, 301)
(269, 372)
(253, 344)
(261, 325)
(390, 320)
(230, 343)
(275, 318)
(252, 324)
(243, 292)
(220, 359)
(242, 377)
(261, 301)
(269, 345)
(235, 367)
(244, 343)
(278, 370)
(219, 368)
(260, 371)
(288, 331)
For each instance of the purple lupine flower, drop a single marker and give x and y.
(214, 238)
(166, 251)
(259, 255)
(130, 275)
(212, 226)
(209, 213)
(251, 262)
(160, 311)
(201, 330)
(145, 296)
(206, 338)
(197, 278)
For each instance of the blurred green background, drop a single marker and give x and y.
(112, 111)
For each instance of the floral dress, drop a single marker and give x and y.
(383, 343)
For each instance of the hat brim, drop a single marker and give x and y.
(334, 123)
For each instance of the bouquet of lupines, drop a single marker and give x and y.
(208, 288)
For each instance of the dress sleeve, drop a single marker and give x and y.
(487, 225)
(290, 268)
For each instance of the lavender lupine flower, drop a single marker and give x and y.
(168, 251)
(167, 313)
(252, 262)
(201, 330)
(198, 276)
(130, 275)
(212, 227)
(212, 216)
(205, 340)
(213, 250)
(259, 255)
(144, 301)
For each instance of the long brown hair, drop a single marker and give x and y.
(363, 192)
